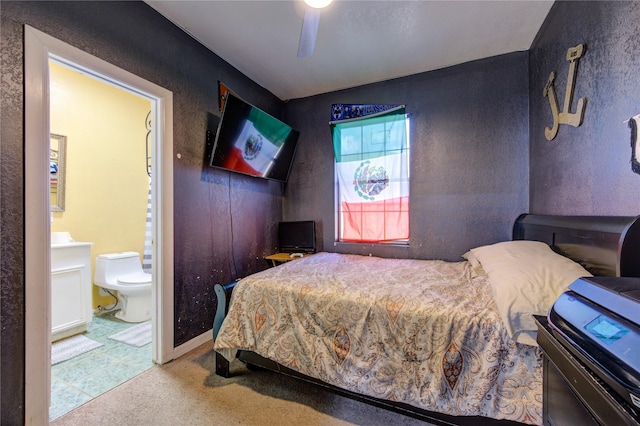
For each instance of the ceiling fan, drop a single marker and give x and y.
(310, 24)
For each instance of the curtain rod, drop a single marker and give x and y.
(368, 116)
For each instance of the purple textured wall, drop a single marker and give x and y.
(586, 170)
(469, 156)
(11, 227)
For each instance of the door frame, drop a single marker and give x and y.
(39, 49)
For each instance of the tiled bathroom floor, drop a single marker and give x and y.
(80, 379)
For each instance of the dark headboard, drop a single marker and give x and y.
(604, 245)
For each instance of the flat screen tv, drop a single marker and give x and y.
(297, 237)
(250, 141)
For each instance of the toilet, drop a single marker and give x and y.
(123, 273)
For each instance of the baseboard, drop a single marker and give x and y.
(192, 344)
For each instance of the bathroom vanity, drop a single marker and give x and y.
(70, 288)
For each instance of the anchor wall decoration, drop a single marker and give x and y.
(565, 117)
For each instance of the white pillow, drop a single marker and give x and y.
(526, 278)
(476, 267)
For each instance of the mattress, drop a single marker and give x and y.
(421, 332)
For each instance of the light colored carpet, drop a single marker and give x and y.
(188, 392)
(66, 349)
(138, 335)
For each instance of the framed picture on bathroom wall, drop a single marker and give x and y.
(57, 157)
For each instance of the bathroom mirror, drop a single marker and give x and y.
(57, 151)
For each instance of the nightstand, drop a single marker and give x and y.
(279, 258)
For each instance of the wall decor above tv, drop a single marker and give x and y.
(252, 142)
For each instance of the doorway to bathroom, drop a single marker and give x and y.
(40, 50)
(100, 192)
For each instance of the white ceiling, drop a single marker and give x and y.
(358, 42)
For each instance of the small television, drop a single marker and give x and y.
(297, 237)
(252, 142)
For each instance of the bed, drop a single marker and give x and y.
(449, 342)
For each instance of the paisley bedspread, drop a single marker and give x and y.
(422, 332)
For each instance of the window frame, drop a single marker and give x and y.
(338, 208)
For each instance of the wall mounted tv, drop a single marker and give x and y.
(297, 236)
(252, 142)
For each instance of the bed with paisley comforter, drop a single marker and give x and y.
(455, 338)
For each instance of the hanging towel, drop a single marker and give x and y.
(635, 149)
(147, 259)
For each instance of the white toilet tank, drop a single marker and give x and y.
(111, 266)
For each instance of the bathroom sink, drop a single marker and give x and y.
(61, 238)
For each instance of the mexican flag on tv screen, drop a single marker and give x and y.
(372, 166)
(257, 145)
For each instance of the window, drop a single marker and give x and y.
(372, 174)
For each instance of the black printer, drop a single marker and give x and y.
(598, 321)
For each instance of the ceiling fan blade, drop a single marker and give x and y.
(309, 32)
